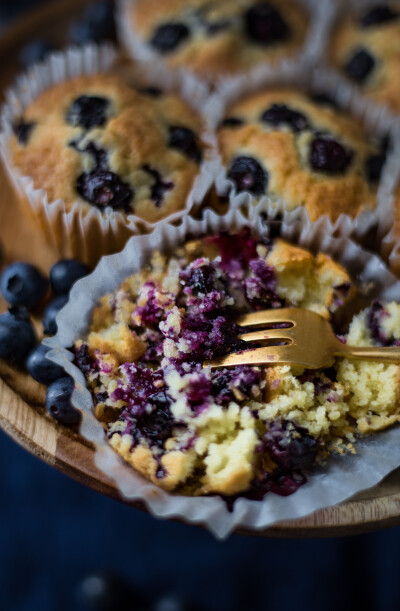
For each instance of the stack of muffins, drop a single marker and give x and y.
(243, 117)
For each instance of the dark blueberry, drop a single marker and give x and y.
(50, 313)
(171, 602)
(65, 273)
(157, 426)
(185, 140)
(153, 92)
(375, 315)
(327, 155)
(169, 36)
(23, 284)
(17, 336)
(280, 114)
(58, 401)
(265, 25)
(248, 175)
(359, 66)
(290, 446)
(97, 24)
(83, 359)
(232, 122)
(23, 131)
(88, 111)
(159, 187)
(41, 368)
(324, 100)
(34, 52)
(378, 14)
(103, 188)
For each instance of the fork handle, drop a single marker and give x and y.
(388, 354)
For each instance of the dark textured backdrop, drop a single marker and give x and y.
(54, 532)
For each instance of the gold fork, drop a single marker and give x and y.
(309, 341)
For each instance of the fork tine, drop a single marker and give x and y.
(266, 317)
(265, 334)
(273, 355)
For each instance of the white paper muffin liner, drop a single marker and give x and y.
(376, 121)
(320, 12)
(343, 476)
(73, 230)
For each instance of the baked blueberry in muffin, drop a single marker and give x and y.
(214, 39)
(287, 145)
(365, 47)
(242, 430)
(102, 143)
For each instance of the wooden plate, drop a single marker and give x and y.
(22, 414)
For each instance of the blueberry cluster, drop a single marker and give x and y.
(261, 24)
(24, 287)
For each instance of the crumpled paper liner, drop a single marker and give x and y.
(320, 13)
(299, 73)
(342, 477)
(74, 230)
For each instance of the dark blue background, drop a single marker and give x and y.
(54, 532)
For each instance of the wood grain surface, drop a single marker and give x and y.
(22, 415)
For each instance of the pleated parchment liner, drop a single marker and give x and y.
(337, 8)
(72, 230)
(299, 74)
(342, 477)
(320, 12)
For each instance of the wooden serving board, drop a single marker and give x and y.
(22, 414)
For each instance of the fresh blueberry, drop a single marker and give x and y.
(34, 52)
(185, 140)
(104, 591)
(324, 100)
(280, 114)
(169, 36)
(159, 187)
(23, 284)
(23, 130)
(97, 24)
(65, 273)
(50, 313)
(265, 25)
(248, 175)
(88, 111)
(327, 155)
(171, 602)
(359, 66)
(17, 337)
(232, 122)
(58, 401)
(378, 14)
(103, 188)
(41, 368)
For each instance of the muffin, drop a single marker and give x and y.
(98, 144)
(235, 431)
(216, 39)
(365, 47)
(302, 150)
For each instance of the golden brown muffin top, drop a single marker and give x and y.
(100, 142)
(214, 39)
(284, 144)
(365, 47)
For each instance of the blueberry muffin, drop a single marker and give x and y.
(303, 150)
(365, 47)
(97, 141)
(215, 39)
(235, 431)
